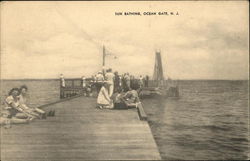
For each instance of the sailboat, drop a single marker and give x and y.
(159, 86)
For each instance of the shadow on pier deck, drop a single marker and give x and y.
(80, 131)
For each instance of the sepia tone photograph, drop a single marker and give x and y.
(124, 80)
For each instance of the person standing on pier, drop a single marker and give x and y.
(141, 81)
(116, 82)
(110, 80)
(146, 80)
(62, 80)
(127, 82)
(83, 82)
(123, 82)
(62, 86)
(99, 81)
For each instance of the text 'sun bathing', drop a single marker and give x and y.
(176, 13)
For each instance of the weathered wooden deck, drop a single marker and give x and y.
(80, 131)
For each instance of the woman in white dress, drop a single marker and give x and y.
(110, 80)
(103, 99)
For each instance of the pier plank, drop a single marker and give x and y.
(80, 131)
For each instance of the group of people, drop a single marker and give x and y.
(120, 82)
(118, 91)
(16, 109)
(113, 90)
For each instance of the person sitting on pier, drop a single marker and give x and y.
(118, 100)
(131, 98)
(6, 118)
(12, 108)
(126, 100)
(103, 99)
(36, 112)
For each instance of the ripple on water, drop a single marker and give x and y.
(208, 121)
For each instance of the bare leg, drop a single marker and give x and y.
(18, 121)
(13, 120)
(2, 120)
(21, 116)
(39, 110)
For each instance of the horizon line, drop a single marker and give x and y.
(7, 79)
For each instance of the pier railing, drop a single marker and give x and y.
(72, 87)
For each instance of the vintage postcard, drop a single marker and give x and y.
(124, 80)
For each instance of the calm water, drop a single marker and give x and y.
(40, 91)
(208, 121)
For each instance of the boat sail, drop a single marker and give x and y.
(158, 70)
(158, 85)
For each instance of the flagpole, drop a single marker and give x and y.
(103, 56)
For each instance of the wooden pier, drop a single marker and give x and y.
(79, 131)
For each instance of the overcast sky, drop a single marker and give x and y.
(207, 40)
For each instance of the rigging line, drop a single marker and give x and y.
(83, 33)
